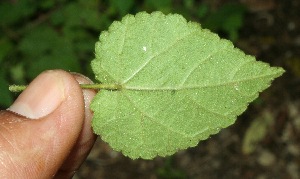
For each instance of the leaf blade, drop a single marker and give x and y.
(180, 84)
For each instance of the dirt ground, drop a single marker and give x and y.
(272, 34)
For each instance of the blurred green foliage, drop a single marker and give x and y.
(40, 35)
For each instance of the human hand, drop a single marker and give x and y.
(47, 132)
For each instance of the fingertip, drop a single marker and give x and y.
(39, 147)
(86, 138)
(43, 95)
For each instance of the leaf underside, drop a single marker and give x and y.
(179, 84)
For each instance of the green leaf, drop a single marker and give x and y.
(178, 84)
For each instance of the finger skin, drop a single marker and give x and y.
(86, 138)
(38, 148)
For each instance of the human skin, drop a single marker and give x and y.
(46, 133)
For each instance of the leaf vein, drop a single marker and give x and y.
(153, 119)
(198, 64)
(123, 39)
(238, 68)
(108, 74)
(170, 88)
(206, 109)
(156, 55)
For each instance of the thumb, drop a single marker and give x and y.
(39, 130)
